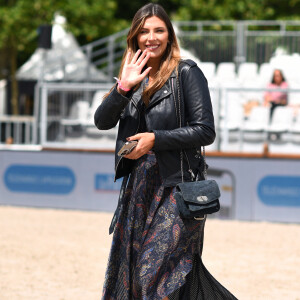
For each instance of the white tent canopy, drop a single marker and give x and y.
(65, 61)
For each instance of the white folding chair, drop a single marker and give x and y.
(226, 72)
(78, 114)
(208, 69)
(91, 129)
(295, 127)
(282, 120)
(258, 120)
(97, 100)
(265, 74)
(247, 71)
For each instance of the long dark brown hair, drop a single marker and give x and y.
(281, 74)
(171, 56)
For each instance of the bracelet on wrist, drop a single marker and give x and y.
(120, 85)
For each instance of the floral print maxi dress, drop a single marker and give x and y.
(154, 252)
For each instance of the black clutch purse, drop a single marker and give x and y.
(195, 199)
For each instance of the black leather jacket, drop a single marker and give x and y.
(160, 115)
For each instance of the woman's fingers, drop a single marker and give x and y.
(127, 58)
(141, 58)
(131, 74)
(145, 73)
(134, 59)
(135, 137)
(146, 143)
(145, 59)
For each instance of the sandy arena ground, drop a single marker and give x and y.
(61, 255)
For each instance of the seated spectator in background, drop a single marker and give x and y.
(276, 98)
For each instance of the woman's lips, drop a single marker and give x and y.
(152, 47)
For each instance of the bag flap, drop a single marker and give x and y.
(199, 192)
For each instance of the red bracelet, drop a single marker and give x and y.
(120, 85)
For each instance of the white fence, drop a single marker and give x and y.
(67, 116)
(242, 122)
(64, 118)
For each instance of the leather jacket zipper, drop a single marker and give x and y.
(139, 115)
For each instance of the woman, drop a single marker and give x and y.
(276, 98)
(155, 254)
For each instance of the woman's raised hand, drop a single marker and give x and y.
(132, 70)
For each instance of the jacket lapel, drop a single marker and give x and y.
(164, 92)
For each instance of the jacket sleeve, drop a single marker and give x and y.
(199, 129)
(108, 113)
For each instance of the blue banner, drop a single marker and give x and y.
(39, 179)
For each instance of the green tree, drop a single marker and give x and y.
(19, 20)
(127, 9)
(238, 10)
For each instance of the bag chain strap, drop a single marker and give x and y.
(180, 125)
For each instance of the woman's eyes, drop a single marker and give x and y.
(146, 31)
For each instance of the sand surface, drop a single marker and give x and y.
(62, 255)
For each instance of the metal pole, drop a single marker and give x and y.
(219, 120)
(225, 134)
(36, 114)
(240, 45)
(43, 124)
(89, 61)
(111, 58)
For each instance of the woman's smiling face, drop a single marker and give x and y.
(153, 37)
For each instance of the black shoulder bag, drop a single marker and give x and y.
(194, 199)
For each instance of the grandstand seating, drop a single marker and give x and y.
(258, 120)
(247, 71)
(295, 127)
(282, 120)
(248, 129)
(225, 73)
(209, 69)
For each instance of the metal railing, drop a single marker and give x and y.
(63, 118)
(17, 130)
(66, 116)
(67, 110)
(239, 41)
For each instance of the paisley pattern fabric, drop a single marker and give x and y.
(153, 249)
